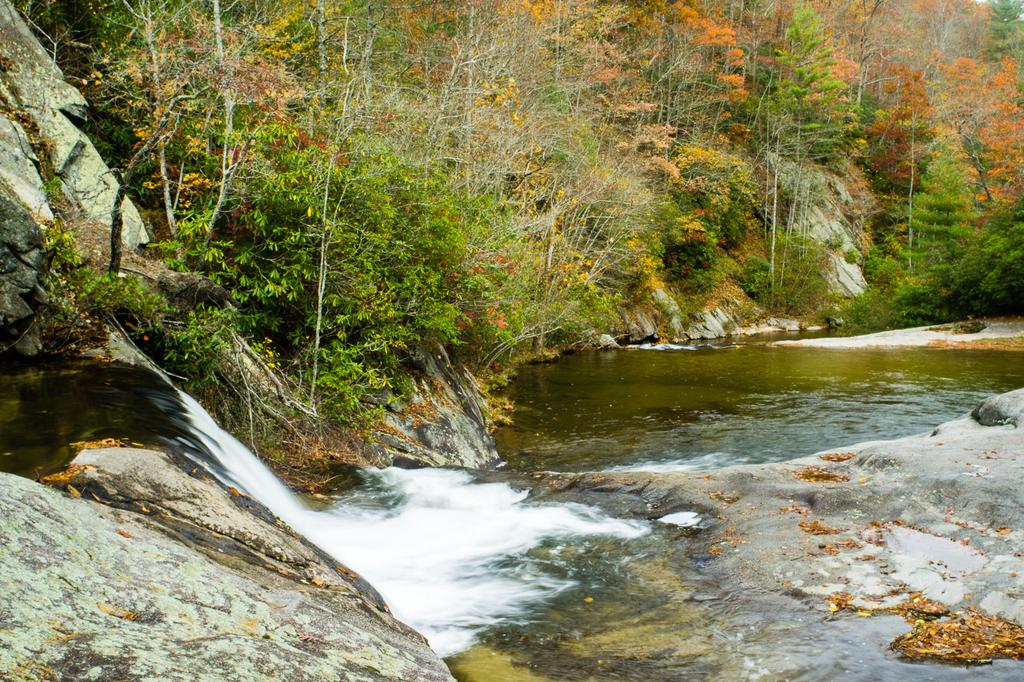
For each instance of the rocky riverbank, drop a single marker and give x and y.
(145, 567)
(841, 545)
(994, 334)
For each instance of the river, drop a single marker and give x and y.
(517, 589)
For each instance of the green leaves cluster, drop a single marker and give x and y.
(385, 241)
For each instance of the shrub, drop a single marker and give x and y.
(756, 278)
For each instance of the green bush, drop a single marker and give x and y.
(756, 278)
(196, 346)
(799, 285)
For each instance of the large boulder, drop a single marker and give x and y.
(150, 569)
(1007, 408)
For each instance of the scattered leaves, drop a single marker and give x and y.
(968, 638)
(814, 474)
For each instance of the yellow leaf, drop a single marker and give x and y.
(117, 612)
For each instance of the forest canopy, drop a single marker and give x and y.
(369, 176)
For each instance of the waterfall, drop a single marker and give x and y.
(435, 544)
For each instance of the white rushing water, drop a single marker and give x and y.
(712, 460)
(439, 552)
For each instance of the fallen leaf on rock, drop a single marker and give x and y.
(836, 456)
(124, 533)
(795, 508)
(728, 498)
(839, 600)
(814, 474)
(100, 443)
(969, 638)
(818, 528)
(64, 477)
(117, 612)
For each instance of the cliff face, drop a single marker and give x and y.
(47, 166)
(828, 206)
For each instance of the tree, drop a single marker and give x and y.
(943, 213)
(1006, 30)
(809, 92)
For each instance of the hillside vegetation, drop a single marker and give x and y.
(500, 176)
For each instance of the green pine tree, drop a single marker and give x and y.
(1006, 30)
(808, 91)
(943, 213)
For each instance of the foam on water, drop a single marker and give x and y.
(712, 460)
(449, 555)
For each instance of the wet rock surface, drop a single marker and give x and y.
(145, 568)
(833, 545)
(442, 423)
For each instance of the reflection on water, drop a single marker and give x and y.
(682, 409)
(44, 408)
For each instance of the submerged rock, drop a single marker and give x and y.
(147, 570)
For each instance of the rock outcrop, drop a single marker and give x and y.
(21, 286)
(832, 216)
(853, 531)
(442, 423)
(39, 140)
(663, 319)
(35, 99)
(150, 569)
